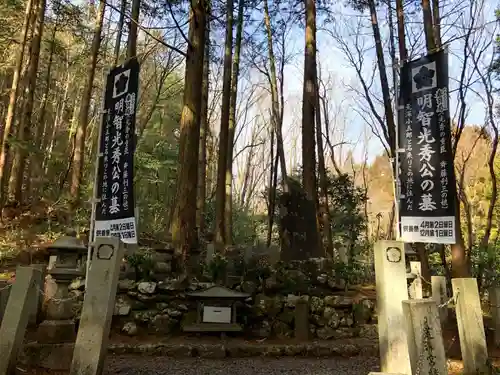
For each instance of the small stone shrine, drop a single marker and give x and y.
(216, 310)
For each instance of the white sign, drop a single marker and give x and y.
(428, 229)
(213, 314)
(123, 228)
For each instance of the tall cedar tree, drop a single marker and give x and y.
(132, 35)
(232, 123)
(183, 225)
(308, 119)
(13, 98)
(83, 116)
(26, 123)
(220, 193)
(324, 212)
(204, 131)
(276, 111)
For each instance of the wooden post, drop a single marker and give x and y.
(98, 305)
(470, 326)
(15, 319)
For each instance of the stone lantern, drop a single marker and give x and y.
(66, 252)
(64, 267)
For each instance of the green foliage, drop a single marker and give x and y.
(485, 264)
(346, 202)
(247, 227)
(217, 268)
(495, 66)
(143, 264)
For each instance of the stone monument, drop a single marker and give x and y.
(98, 306)
(390, 277)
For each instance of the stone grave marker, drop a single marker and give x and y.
(35, 299)
(494, 297)
(98, 306)
(301, 320)
(4, 297)
(297, 223)
(425, 339)
(15, 320)
(470, 326)
(440, 295)
(416, 285)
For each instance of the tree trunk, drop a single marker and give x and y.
(42, 123)
(228, 215)
(326, 119)
(132, 35)
(220, 193)
(384, 83)
(276, 118)
(308, 110)
(25, 134)
(273, 179)
(119, 34)
(83, 117)
(58, 120)
(308, 119)
(204, 130)
(428, 26)
(436, 23)
(183, 226)
(11, 109)
(403, 53)
(324, 211)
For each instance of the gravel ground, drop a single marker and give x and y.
(145, 365)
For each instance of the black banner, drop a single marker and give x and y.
(115, 188)
(426, 173)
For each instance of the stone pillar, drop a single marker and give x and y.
(35, 299)
(494, 296)
(416, 285)
(4, 297)
(98, 306)
(470, 326)
(425, 339)
(15, 320)
(302, 320)
(390, 275)
(440, 295)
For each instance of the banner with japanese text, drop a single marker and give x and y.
(115, 176)
(426, 172)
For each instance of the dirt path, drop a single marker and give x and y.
(127, 365)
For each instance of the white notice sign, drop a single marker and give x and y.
(123, 228)
(428, 229)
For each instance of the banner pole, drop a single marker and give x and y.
(95, 199)
(397, 188)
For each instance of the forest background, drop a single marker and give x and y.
(237, 103)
